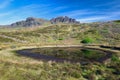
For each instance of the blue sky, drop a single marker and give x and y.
(83, 10)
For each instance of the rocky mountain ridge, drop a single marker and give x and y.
(63, 19)
(32, 22)
(29, 22)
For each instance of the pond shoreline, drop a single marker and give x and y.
(97, 47)
(27, 52)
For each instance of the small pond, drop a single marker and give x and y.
(71, 54)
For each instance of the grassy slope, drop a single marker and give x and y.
(13, 66)
(100, 33)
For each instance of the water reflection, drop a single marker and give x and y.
(81, 55)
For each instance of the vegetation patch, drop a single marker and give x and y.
(87, 40)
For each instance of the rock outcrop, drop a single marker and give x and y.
(29, 22)
(63, 19)
(34, 22)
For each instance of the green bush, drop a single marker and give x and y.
(87, 40)
(76, 74)
(115, 58)
(60, 39)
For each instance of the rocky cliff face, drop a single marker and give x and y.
(29, 22)
(63, 20)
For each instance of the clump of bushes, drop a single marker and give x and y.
(60, 39)
(87, 40)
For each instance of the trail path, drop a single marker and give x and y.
(12, 38)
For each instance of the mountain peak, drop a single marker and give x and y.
(33, 22)
(30, 21)
(63, 19)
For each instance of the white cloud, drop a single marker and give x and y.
(31, 10)
(43, 10)
(93, 18)
(60, 8)
(76, 13)
(107, 16)
(110, 3)
(5, 3)
(4, 14)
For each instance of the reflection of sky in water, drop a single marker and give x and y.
(68, 54)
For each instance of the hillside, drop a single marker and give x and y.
(107, 33)
(85, 51)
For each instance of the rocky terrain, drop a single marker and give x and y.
(29, 22)
(63, 20)
(33, 22)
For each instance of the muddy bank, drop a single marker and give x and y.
(111, 47)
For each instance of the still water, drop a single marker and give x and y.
(70, 54)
